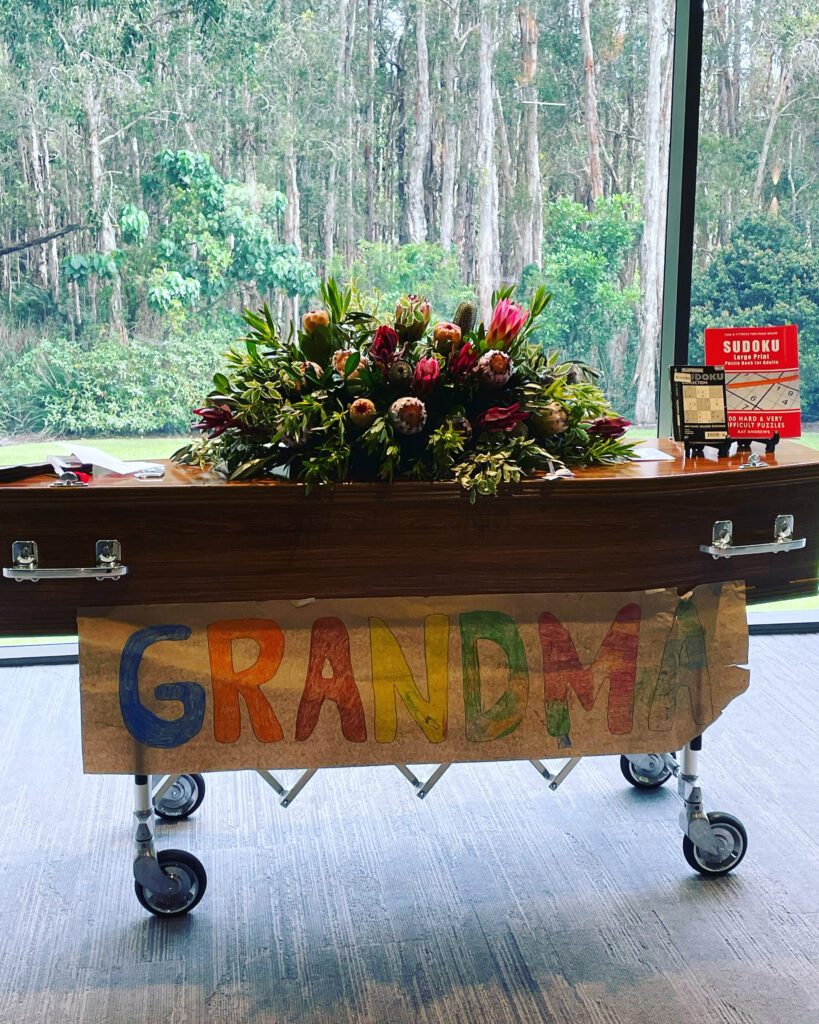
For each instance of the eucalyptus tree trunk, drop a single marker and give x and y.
(369, 146)
(652, 246)
(416, 215)
(590, 98)
(350, 141)
(106, 236)
(330, 205)
(292, 214)
(785, 76)
(30, 150)
(449, 155)
(532, 219)
(488, 239)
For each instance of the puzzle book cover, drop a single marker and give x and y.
(761, 378)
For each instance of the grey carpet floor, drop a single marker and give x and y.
(494, 900)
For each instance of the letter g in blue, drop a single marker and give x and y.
(142, 724)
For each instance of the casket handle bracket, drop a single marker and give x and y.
(25, 559)
(722, 540)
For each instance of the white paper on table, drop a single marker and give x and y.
(85, 453)
(644, 454)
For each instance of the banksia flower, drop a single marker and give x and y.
(340, 361)
(462, 361)
(408, 415)
(314, 319)
(427, 372)
(608, 426)
(412, 313)
(362, 412)
(445, 337)
(507, 320)
(465, 316)
(400, 375)
(495, 368)
(551, 419)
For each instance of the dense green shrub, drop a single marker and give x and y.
(58, 386)
(767, 274)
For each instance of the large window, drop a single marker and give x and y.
(184, 162)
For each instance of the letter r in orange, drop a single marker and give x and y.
(228, 684)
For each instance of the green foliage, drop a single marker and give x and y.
(585, 253)
(424, 268)
(767, 274)
(133, 223)
(30, 304)
(60, 387)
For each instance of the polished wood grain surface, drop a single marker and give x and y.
(194, 537)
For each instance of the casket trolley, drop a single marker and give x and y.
(630, 527)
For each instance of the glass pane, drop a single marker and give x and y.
(757, 205)
(182, 163)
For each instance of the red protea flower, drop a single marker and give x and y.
(462, 361)
(608, 426)
(507, 320)
(501, 417)
(215, 419)
(427, 372)
(383, 347)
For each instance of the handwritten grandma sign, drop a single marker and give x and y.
(374, 681)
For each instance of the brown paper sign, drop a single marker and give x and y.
(406, 680)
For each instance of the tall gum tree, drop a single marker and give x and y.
(532, 219)
(652, 245)
(416, 215)
(488, 232)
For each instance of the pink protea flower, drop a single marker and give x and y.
(507, 320)
(427, 372)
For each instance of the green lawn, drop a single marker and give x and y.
(121, 447)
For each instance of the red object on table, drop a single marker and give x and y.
(761, 378)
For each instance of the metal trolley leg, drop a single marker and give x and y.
(168, 884)
(146, 867)
(713, 843)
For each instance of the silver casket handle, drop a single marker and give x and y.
(25, 564)
(722, 540)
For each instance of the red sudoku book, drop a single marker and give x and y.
(761, 378)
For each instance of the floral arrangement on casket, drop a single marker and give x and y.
(350, 397)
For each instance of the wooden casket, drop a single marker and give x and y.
(192, 537)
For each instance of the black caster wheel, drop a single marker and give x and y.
(182, 799)
(647, 777)
(192, 879)
(733, 841)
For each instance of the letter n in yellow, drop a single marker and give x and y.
(392, 678)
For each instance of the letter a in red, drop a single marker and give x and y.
(330, 642)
